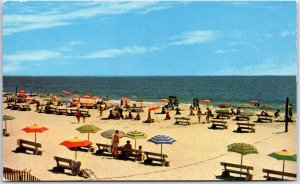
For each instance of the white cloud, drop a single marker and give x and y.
(287, 33)
(194, 37)
(14, 23)
(151, 9)
(222, 51)
(110, 53)
(31, 56)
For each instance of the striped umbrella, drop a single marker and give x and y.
(244, 106)
(88, 129)
(266, 107)
(136, 135)
(224, 105)
(243, 149)
(162, 139)
(109, 133)
(284, 155)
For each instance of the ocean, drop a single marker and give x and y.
(271, 90)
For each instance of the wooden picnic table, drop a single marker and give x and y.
(182, 120)
(264, 118)
(222, 114)
(219, 124)
(247, 126)
(243, 116)
(62, 111)
(24, 108)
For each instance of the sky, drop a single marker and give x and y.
(148, 38)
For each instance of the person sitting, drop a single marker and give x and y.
(163, 110)
(177, 111)
(140, 154)
(149, 119)
(129, 116)
(168, 117)
(276, 114)
(48, 109)
(126, 150)
(232, 113)
(263, 113)
(110, 116)
(137, 117)
(191, 111)
(267, 114)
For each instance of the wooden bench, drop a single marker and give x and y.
(85, 113)
(223, 115)
(25, 145)
(15, 107)
(103, 149)
(239, 169)
(242, 117)
(24, 108)
(70, 164)
(160, 158)
(262, 118)
(62, 111)
(278, 173)
(9, 105)
(219, 124)
(182, 120)
(72, 112)
(247, 126)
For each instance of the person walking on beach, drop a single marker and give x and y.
(115, 144)
(191, 111)
(78, 115)
(199, 115)
(101, 110)
(83, 117)
(208, 114)
(168, 117)
(37, 106)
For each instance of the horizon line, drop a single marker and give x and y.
(149, 75)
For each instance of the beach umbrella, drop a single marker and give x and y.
(124, 99)
(5, 118)
(283, 155)
(22, 91)
(154, 108)
(66, 92)
(88, 129)
(266, 107)
(206, 101)
(161, 139)
(35, 128)
(164, 100)
(109, 133)
(75, 96)
(86, 96)
(224, 105)
(136, 135)
(141, 100)
(74, 143)
(253, 101)
(244, 106)
(96, 97)
(243, 149)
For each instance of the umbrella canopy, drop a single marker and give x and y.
(5, 118)
(154, 108)
(244, 106)
(253, 101)
(74, 143)
(35, 128)
(75, 96)
(96, 97)
(86, 96)
(206, 101)
(66, 92)
(136, 135)
(162, 139)
(164, 100)
(88, 129)
(141, 100)
(124, 99)
(109, 133)
(283, 155)
(266, 107)
(224, 105)
(243, 149)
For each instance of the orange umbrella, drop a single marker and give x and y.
(75, 96)
(75, 103)
(253, 101)
(22, 91)
(96, 97)
(74, 143)
(35, 128)
(154, 108)
(164, 100)
(124, 99)
(206, 101)
(86, 96)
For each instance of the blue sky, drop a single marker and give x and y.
(149, 38)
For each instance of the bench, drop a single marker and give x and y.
(24, 108)
(242, 117)
(104, 149)
(62, 111)
(219, 124)
(72, 112)
(182, 120)
(85, 113)
(223, 115)
(25, 145)
(262, 118)
(247, 126)
(240, 169)
(161, 158)
(15, 107)
(109, 106)
(9, 105)
(278, 173)
(70, 164)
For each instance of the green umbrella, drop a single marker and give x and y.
(109, 133)
(284, 155)
(243, 149)
(244, 106)
(88, 129)
(136, 135)
(266, 107)
(5, 118)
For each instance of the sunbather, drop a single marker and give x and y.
(238, 111)
(129, 116)
(177, 111)
(232, 113)
(137, 117)
(191, 111)
(199, 115)
(126, 150)
(276, 114)
(115, 144)
(168, 117)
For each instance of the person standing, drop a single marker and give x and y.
(208, 114)
(115, 144)
(199, 115)
(78, 115)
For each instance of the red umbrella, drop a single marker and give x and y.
(124, 99)
(253, 101)
(75, 96)
(206, 101)
(164, 100)
(35, 128)
(96, 97)
(154, 108)
(74, 143)
(22, 91)
(86, 96)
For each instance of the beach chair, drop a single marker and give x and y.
(88, 173)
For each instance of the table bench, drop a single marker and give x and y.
(219, 124)
(62, 111)
(157, 157)
(85, 113)
(134, 109)
(25, 145)
(239, 169)
(103, 149)
(24, 108)
(70, 164)
(278, 173)
(247, 126)
(15, 107)
(242, 117)
(9, 105)
(223, 115)
(262, 118)
(182, 120)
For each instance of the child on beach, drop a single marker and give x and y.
(177, 111)
(191, 111)
(208, 114)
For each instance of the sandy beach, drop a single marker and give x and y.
(196, 154)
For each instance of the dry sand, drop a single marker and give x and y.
(196, 154)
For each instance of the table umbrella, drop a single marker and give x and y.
(206, 101)
(35, 128)
(75, 96)
(164, 100)
(266, 107)
(74, 143)
(162, 139)
(243, 149)
(284, 155)
(96, 97)
(224, 105)
(141, 100)
(88, 129)
(244, 106)
(66, 92)
(5, 118)
(136, 135)
(86, 96)
(109, 133)
(154, 108)
(124, 99)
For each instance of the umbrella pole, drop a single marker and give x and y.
(35, 137)
(161, 150)
(5, 126)
(241, 164)
(283, 168)
(75, 153)
(88, 136)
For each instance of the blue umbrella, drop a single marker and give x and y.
(162, 139)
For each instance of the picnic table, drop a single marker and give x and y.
(182, 120)
(278, 174)
(134, 109)
(10, 105)
(247, 126)
(62, 111)
(237, 169)
(219, 124)
(222, 114)
(264, 118)
(243, 116)
(24, 108)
